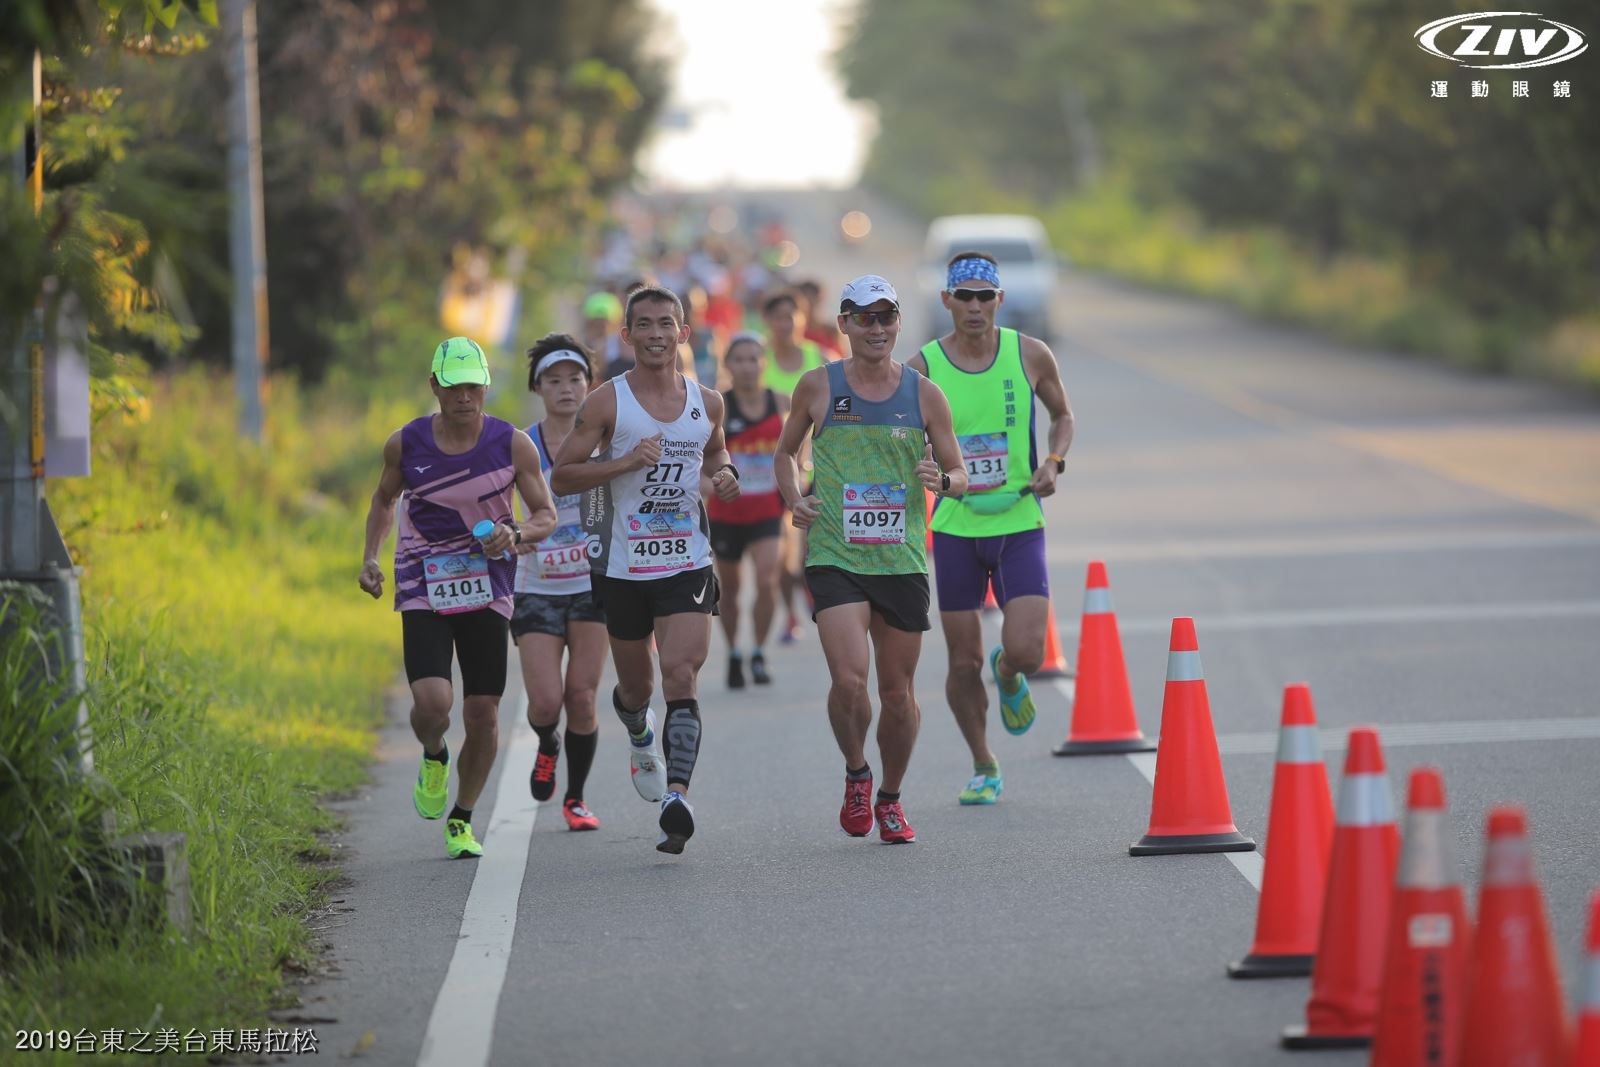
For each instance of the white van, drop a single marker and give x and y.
(1027, 267)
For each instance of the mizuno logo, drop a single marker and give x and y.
(701, 599)
(902, 414)
(421, 469)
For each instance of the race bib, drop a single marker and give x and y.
(985, 455)
(875, 514)
(756, 474)
(660, 542)
(565, 553)
(457, 583)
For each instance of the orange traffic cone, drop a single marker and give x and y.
(1055, 663)
(1102, 707)
(1515, 1012)
(1355, 912)
(1300, 832)
(1588, 1052)
(990, 604)
(1425, 967)
(1189, 806)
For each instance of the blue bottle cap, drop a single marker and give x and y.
(483, 529)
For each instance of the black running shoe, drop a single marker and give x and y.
(736, 672)
(758, 669)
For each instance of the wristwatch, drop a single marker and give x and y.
(729, 467)
(516, 533)
(944, 482)
(1060, 462)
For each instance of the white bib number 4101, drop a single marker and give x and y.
(457, 583)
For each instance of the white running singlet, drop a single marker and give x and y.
(651, 523)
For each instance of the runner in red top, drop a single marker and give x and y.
(754, 420)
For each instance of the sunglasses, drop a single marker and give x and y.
(871, 318)
(982, 296)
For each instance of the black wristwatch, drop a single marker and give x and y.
(1060, 461)
(728, 467)
(516, 533)
(944, 482)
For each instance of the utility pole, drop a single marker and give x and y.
(247, 241)
(32, 552)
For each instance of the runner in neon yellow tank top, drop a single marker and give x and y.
(791, 356)
(881, 435)
(995, 535)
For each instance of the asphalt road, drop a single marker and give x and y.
(1421, 546)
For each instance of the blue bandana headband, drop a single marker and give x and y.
(972, 269)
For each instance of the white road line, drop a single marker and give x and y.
(1072, 555)
(461, 1029)
(1376, 615)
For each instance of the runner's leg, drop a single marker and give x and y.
(963, 686)
(768, 573)
(683, 640)
(841, 629)
(895, 654)
(1022, 635)
(586, 657)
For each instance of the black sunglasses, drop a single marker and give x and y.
(982, 296)
(869, 318)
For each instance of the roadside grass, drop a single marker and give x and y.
(235, 675)
(1359, 299)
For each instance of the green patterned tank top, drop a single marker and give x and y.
(872, 514)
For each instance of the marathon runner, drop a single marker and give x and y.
(995, 534)
(660, 446)
(447, 473)
(555, 612)
(754, 419)
(792, 356)
(880, 434)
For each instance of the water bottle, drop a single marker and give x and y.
(484, 530)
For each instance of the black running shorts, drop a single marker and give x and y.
(632, 607)
(730, 539)
(902, 599)
(478, 639)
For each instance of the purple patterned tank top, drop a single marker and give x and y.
(444, 497)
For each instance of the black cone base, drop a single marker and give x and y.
(1254, 966)
(1104, 748)
(1173, 844)
(1296, 1037)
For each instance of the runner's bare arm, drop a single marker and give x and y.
(572, 472)
(918, 364)
(1040, 365)
(941, 431)
(796, 431)
(723, 481)
(541, 511)
(380, 516)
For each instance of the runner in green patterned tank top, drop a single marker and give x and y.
(881, 437)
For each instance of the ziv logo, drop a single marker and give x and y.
(1501, 40)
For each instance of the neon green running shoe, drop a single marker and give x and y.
(428, 796)
(982, 790)
(458, 840)
(1016, 707)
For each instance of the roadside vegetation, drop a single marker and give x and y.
(1288, 158)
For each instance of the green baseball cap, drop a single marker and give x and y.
(602, 305)
(460, 361)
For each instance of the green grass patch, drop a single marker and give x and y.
(235, 674)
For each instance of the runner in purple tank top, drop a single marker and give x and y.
(445, 473)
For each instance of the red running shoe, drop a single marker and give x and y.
(579, 817)
(855, 818)
(543, 781)
(892, 825)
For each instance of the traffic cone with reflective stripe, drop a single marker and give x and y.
(1425, 966)
(1355, 912)
(1055, 663)
(1515, 1011)
(1299, 835)
(1588, 1051)
(1189, 806)
(1102, 705)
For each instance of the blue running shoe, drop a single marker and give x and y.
(1016, 707)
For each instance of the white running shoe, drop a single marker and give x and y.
(646, 763)
(677, 824)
